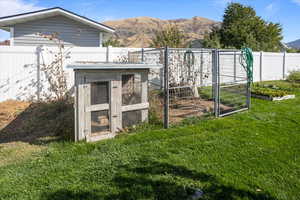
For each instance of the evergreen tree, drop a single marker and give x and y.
(241, 27)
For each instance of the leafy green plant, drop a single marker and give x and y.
(112, 42)
(294, 76)
(170, 36)
(280, 85)
(269, 92)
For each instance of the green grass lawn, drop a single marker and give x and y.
(250, 155)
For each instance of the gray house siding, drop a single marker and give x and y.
(70, 31)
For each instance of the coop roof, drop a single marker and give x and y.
(111, 66)
(7, 21)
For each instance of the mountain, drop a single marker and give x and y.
(4, 43)
(295, 44)
(138, 32)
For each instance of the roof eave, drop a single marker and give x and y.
(14, 19)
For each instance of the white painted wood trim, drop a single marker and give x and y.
(12, 35)
(53, 12)
(97, 107)
(96, 138)
(140, 106)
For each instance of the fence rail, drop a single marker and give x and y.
(19, 77)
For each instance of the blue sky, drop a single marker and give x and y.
(286, 12)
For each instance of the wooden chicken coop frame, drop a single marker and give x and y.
(109, 97)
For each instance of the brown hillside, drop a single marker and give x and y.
(137, 32)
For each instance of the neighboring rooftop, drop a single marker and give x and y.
(7, 21)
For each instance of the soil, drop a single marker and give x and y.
(35, 123)
(12, 151)
(195, 107)
(9, 110)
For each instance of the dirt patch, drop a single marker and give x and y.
(13, 152)
(182, 108)
(191, 107)
(27, 127)
(9, 110)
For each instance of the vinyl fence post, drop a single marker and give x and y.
(166, 88)
(107, 54)
(284, 65)
(234, 69)
(38, 72)
(260, 65)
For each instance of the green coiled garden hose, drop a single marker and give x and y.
(246, 60)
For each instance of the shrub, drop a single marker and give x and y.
(294, 76)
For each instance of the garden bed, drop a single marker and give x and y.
(273, 98)
(270, 93)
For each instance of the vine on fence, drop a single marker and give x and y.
(54, 71)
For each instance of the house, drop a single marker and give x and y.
(74, 30)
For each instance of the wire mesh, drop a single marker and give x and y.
(190, 80)
(233, 85)
(131, 89)
(155, 97)
(195, 87)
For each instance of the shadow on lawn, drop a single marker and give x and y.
(154, 180)
(40, 123)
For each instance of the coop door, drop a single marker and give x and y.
(98, 110)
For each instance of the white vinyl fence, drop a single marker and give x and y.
(20, 76)
(19, 67)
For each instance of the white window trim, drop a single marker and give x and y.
(12, 35)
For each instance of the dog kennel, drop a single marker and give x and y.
(109, 97)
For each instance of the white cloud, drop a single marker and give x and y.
(296, 1)
(270, 7)
(271, 10)
(11, 7)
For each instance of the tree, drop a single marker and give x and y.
(212, 40)
(112, 42)
(169, 36)
(241, 27)
(292, 50)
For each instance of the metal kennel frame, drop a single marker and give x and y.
(194, 82)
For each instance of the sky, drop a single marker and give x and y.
(285, 12)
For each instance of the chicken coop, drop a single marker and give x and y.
(109, 97)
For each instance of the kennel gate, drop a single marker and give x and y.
(231, 83)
